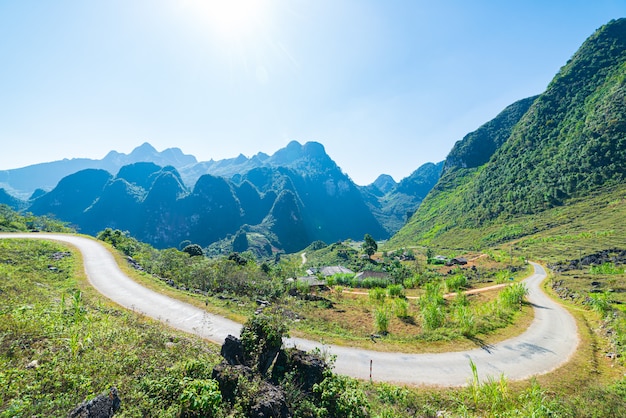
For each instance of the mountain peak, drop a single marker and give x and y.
(143, 151)
(384, 183)
(295, 152)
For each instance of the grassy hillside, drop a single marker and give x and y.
(569, 144)
(60, 342)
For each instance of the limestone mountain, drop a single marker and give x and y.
(11, 201)
(394, 203)
(299, 196)
(538, 154)
(22, 182)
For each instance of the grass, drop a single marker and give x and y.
(61, 343)
(84, 344)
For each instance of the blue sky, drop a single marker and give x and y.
(385, 85)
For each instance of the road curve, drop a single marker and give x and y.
(547, 343)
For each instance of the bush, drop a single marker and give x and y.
(432, 316)
(401, 308)
(513, 295)
(341, 396)
(381, 320)
(395, 291)
(200, 398)
(456, 282)
(377, 295)
(261, 338)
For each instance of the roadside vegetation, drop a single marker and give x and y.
(62, 343)
(12, 221)
(405, 310)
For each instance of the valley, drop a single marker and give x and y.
(180, 252)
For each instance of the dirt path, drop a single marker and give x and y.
(548, 342)
(446, 295)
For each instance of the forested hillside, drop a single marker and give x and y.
(571, 141)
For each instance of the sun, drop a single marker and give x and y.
(231, 20)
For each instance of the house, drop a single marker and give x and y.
(371, 274)
(329, 271)
(458, 261)
(312, 281)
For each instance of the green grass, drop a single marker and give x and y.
(84, 345)
(81, 344)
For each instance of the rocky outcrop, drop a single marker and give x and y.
(613, 255)
(102, 406)
(235, 374)
(308, 369)
(269, 401)
(232, 351)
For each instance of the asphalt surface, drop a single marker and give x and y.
(547, 343)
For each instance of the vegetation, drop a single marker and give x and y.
(78, 346)
(61, 343)
(369, 245)
(566, 146)
(12, 221)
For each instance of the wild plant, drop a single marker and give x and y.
(466, 320)
(401, 308)
(377, 295)
(512, 296)
(395, 291)
(381, 320)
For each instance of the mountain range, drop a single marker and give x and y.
(265, 203)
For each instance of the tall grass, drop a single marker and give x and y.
(381, 319)
(512, 296)
(607, 268)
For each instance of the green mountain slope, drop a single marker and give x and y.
(570, 142)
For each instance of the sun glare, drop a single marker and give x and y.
(231, 19)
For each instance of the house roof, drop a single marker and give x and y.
(332, 270)
(311, 280)
(368, 273)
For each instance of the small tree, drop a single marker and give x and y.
(369, 245)
(262, 338)
(193, 250)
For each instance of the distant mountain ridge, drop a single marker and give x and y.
(281, 202)
(22, 182)
(538, 154)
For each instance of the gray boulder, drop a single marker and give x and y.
(102, 406)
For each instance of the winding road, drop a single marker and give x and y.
(548, 342)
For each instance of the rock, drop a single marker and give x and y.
(33, 364)
(308, 368)
(232, 350)
(102, 406)
(227, 377)
(269, 402)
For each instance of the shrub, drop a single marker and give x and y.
(341, 396)
(377, 295)
(432, 316)
(606, 268)
(456, 282)
(381, 320)
(401, 308)
(261, 338)
(513, 295)
(200, 398)
(395, 291)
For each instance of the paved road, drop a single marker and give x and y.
(548, 343)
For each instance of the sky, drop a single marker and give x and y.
(384, 85)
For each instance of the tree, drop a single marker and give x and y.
(193, 250)
(369, 245)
